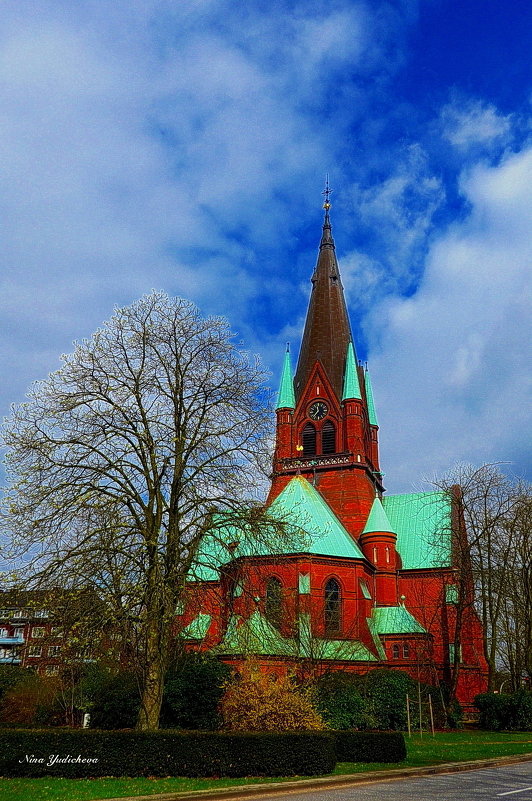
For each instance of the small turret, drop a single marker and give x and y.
(285, 407)
(377, 542)
(373, 423)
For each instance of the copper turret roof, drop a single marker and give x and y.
(327, 330)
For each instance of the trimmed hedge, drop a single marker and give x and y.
(164, 753)
(369, 746)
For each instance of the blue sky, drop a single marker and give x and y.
(183, 146)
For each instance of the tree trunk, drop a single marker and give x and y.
(153, 684)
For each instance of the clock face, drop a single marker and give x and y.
(318, 410)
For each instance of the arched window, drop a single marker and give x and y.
(406, 651)
(274, 601)
(333, 603)
(395, 652)
(328, 437)
(309, 440)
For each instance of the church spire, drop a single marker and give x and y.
(327, 331)
(285, 398)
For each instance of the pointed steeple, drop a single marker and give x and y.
(327, 331)
(351, 382)
(370, 401)
(286, 398)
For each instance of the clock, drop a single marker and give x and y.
(318, 410)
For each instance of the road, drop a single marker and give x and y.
(509, 783)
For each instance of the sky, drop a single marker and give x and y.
(184, 146)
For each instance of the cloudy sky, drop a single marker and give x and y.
(183, 146)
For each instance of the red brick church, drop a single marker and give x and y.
(365, 579)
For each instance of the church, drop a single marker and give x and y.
(362, 579)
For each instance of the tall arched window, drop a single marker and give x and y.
(333, 603)
(328, 437)
(274, 601)
(309, 440)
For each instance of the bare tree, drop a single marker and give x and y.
(120, 460)
(487, 537)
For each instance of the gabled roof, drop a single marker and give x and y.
(377, 519)
(422, 522)
(307, 525)
(395, 620)
(301, 505)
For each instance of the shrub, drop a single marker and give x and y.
(385, 692)
(340, 703)
(114, 701)
(369, 746)
(166, 753)
(510, 712)
(11, 675)
(32, 700)
(255, 701)
(192, 692)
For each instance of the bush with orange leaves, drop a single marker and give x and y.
(255, 701)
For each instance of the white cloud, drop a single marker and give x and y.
(452, 376)
(471, 123)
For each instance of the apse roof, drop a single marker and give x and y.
(422, 522)
(255, 635)
(395, 620)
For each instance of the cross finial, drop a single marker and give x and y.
(327, 192)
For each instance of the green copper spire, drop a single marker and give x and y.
(371, 403)
(378, 519)
(286, 398)
(351, 382)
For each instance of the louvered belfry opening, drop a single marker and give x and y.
(309, 440)
(333, 603)
(328, 438)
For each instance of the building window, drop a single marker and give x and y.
(40, 613)
(328, 438)
(309, 440)
(3, 633)
(34, 650)
(56, 631)
(333, 603)
(38, 631)
(406, 651)
(274, 601)
(52, 670)
(395, 652)
(451, 594)
(452, 651)
(54, 650)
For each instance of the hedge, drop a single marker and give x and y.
(164, 753)
(369, 746)
(510, 712)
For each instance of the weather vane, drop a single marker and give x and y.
(327, 192)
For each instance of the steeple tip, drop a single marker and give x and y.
(326, 237)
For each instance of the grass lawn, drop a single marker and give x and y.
(444, 747)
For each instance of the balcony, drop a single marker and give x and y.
(317, 462)
(10, 660)
(11, 641)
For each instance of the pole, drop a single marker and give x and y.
(431, 715)
(408, 716)
(419, 702)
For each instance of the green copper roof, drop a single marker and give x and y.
(422, 522)
(286, 398)
(351, 382)
(302, 506)
(378, 519)
(395, 620)
(372, 414)
(372, 626)
(308, 525)
(257, 636)
(197, 629)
